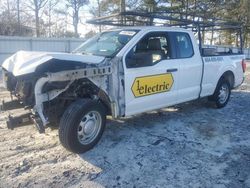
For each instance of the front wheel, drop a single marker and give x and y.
(82, 125)
(222, 93)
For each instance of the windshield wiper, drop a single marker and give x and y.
(86, 53)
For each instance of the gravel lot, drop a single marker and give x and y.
(190, 145)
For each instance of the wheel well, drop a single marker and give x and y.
(229, 76)
(105, 100)
(84, 88)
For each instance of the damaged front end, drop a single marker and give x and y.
(20, 87)
(22, 96)
(47, 83)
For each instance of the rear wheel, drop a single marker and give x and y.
(222, 93)
(82, 125)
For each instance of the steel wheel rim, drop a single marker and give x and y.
(89, 127)
(223, 93)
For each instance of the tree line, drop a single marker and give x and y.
(55, 18)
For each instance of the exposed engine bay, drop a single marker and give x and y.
(53, 85)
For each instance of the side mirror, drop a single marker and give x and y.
(134, 60)
(139, 59)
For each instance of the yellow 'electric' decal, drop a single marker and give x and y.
(149, 85)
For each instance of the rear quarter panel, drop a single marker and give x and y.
(216, 66)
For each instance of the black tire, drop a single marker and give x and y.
(216, 96)
(70, 122)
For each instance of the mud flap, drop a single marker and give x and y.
(38, 123)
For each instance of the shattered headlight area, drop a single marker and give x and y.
(9, 81)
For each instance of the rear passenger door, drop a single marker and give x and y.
(189, 59)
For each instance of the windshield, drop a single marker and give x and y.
(107, 43)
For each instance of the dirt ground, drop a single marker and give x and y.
(190, 145)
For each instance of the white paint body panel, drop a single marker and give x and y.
(146, 103)
(190, 75)
(24, 62)
(216, 66)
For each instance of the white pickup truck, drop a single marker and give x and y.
(120, 72)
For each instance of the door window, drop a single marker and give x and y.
(150, 50)
(184, 45)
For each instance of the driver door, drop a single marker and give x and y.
(151, 74)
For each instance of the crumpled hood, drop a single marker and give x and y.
(25, 62)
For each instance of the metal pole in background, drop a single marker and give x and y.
(241, 40)
(122, 9)
(99, 14)
(18, 17)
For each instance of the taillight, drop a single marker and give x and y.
(244, 65)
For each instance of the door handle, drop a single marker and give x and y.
(172, 70)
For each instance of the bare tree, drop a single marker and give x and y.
(18, 16)
(50, 13)
(99, 14)
(76, 5)
(37, 6)
(9, 24)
